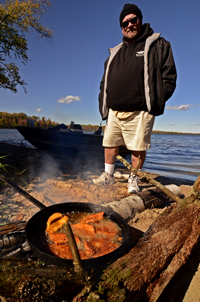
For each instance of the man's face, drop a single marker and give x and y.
(132, 31)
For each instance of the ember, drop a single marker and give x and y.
(94, 234)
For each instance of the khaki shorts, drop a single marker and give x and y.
(133, 131)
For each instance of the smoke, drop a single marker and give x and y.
(49, 168)
(65, 166)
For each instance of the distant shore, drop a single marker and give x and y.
(93, 128)
(11, 120)
(170, 132)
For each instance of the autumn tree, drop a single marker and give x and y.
(17, 18)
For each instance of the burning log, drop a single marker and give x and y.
(136, 203)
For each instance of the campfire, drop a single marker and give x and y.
(146, 272)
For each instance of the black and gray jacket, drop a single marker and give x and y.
(154, 76)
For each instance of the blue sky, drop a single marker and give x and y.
(63, 75)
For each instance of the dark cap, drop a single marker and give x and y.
(128, 9)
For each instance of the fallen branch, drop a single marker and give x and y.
(146, 177)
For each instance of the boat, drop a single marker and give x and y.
(69, 140)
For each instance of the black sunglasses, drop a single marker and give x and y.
(126, 23)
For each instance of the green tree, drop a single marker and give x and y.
(48, 123)
(18, 17)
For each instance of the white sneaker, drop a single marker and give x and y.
(133, 184)
(104, 179)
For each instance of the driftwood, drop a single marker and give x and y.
(147, 178)
(146, 273)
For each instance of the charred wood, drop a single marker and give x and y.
(154, 198)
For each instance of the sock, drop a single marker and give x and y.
(109, 168)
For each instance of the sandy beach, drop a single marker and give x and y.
(55, 179)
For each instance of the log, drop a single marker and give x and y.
(154, 198)
(129, 206)
(146, 271)
(12, 227)
(12, 237)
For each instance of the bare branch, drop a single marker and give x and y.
(146, 177)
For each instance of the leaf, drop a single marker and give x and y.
(3, 156)
(16, 19)
(22, 172)
(3, 167)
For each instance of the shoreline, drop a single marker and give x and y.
(22, 157)
(56, 179)
(93, 128)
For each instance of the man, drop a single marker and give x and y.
(139, 77)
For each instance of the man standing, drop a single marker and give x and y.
(139, 77)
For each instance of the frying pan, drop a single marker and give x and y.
(35, 230)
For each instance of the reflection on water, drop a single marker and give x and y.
(172, 155)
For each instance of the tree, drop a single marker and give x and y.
(16, 19)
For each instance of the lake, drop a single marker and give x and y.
(171, 155)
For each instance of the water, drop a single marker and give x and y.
(12, 136)
(172, 155)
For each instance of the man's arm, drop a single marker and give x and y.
(102, 90)
(169, 73)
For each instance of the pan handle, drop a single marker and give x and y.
(22, 192)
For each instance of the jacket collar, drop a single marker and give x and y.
(146, 32)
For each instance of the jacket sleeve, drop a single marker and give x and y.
(101, 94)
(168, 69)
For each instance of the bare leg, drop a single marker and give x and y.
(107, 176)
(110, 155)
(134, 159)
(136, 163)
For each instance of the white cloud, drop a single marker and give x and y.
(69, 99)
(184, 107)
(39, 109)
(173, 124)
(172, 107)
(181, 107)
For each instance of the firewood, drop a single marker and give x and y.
(12, 227)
